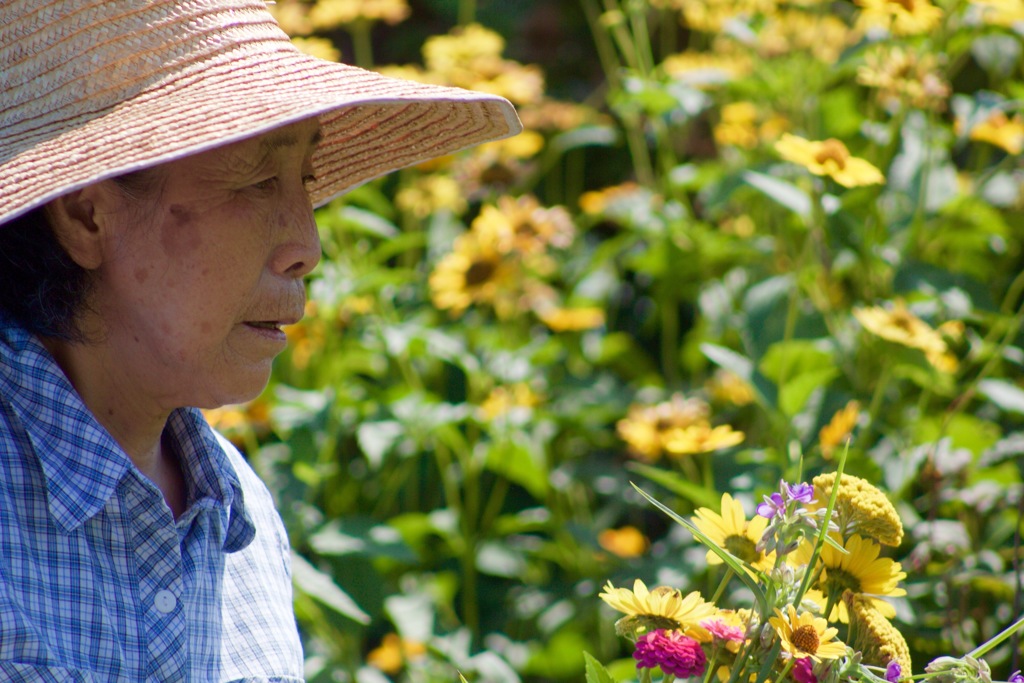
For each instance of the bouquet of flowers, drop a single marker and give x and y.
(816, 606)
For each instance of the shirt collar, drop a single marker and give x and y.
(81, 462)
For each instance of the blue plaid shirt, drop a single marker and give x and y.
(98, 582)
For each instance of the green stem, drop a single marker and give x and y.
(785, 670)
(823, 532)
(362, 44)
(985, 647)
(729, 573)
(467, 12)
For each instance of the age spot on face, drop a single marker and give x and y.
(179, 234)
(141, 275)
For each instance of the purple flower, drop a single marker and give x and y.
(772, 505)
(675, 653)
(803, 671)
(802, 492)
(894, 672)
(1017, 677)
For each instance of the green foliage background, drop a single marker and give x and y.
(476, 535)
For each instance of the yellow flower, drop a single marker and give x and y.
(329, 14)
(859, 570)
(806, 635)
(728, 387)
(394, 653)
(663, 607)
(860, 508)
(829, 158)
(598, 201)
(470, 57)
(700, 438)
(627, 541)
(321, 48)
(503, 399)
(839, 427)
(1000, 12)
(731, 530)
(736, 126)
(523, 225)
(875, 637)
(572, 319)
(1003, 132)
(711, 16)
(823, 36)
(706, 69)
(901, 76)
(899, 17)
(901, 326)
(644, 427)
(430, 194)
(476, 272)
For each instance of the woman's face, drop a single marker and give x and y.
(206, 272)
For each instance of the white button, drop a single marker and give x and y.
(165, 601)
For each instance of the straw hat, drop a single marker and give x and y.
(91, 89)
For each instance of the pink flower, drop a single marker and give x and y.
(803, 671)
(675, 653)
(723, 631)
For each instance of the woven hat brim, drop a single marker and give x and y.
(371, 125)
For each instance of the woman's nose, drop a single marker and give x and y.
(299, 248)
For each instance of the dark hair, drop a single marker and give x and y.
(41, 286)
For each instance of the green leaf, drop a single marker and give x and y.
(361, 536)
(359, 220)
(318, 585)
(377, 438)
(674, 482)
(1009, 397)
(518, 464)
(784, 193)
(596, 673)
(798, 367)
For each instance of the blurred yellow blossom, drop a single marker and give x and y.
(824, 36)
(524, 226)
(902, 77)
(711, 16)
(706, 69)
(502, 399)
(394, 653)
(571, 319)
(429, 194)
(470, 57)
(328, 14)
(742, 125)
(1001, 131)
(236, 422)
(828, 158)
(901, 326)
(728, 387)
(1006, 13)
(899, 17)
(322, 48)
(700, 438)
(645, 426)
(627, 541)
(597, 201)
(838, 429)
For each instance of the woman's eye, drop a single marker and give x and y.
(266, 185)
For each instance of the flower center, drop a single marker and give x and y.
(840, 581)
(805, 639)
(832, 150)
(480, 272)
(743, 548)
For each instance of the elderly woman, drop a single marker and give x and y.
(159, 165)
